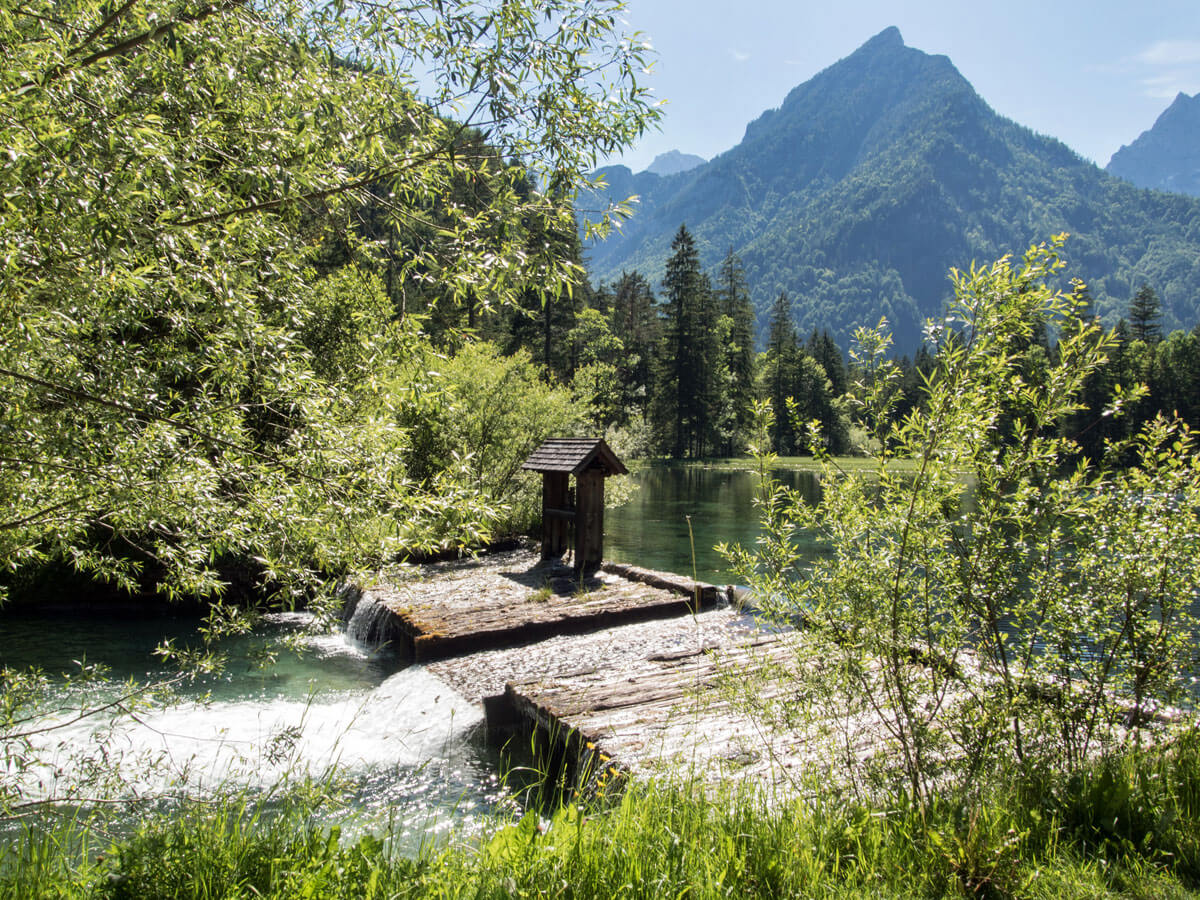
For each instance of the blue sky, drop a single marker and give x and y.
(1092, 74)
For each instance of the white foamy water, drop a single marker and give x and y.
(404, 740)
(407, 720)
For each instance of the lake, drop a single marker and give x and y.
(651, 528)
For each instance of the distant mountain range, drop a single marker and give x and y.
(874, 178)
(1166, 157)
(673, 163)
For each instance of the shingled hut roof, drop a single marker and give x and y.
(574, 455)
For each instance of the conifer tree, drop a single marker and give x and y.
(685, 398)
(798, 385)
(635, 319)
(1145, 314)
(734, 295)
(825, 350)
(782, 360)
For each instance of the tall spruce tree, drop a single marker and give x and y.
(825, 350)
(685, 397)
(797, 383)
(1145, 315)
(734, 294)
(635, 319)
(782, 359)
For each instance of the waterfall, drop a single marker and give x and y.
(369, 622)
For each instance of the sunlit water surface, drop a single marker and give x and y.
(651, 529)
(411, 750)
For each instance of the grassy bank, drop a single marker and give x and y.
(1128, 828)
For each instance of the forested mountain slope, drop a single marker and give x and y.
(878, 175)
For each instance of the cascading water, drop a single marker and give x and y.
(368, 622)
(407, 743)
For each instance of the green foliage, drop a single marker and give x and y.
(1145, 313)
(687, 393)
(476, 416)
(348, 326)
(176, 387)
(1016, 838)
(1005, 600)
(739, 362)
(635, 320)
(797, 385)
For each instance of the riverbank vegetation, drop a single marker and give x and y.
(227, 233)
(1126, 827)
(1045, 620)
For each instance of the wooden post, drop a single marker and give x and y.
(589, 521)
(556, 519)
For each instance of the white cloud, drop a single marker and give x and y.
(1170, 53)
(1167, 87)
(739, 55)
(1167, 68)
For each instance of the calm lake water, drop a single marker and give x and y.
(651, 529)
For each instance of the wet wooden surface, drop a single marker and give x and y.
(512, 599)
(676, 713)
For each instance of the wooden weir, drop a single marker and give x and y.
(641, 703)
(663, 714)
(513, 599)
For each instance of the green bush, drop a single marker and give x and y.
(475, 417)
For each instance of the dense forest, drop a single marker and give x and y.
(677, 375)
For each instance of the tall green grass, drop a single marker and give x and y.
(1127, 827)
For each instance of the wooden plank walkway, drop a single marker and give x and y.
(511, 599)
(676, 714)
(621, 673)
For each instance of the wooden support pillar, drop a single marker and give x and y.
(556, 515)
(589, 521)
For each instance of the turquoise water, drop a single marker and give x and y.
(412, 752)
(651, 529)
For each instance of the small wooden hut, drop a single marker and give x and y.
(591, 461)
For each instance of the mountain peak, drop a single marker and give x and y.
(1182, 106)
(1166, 156)
(673, 162)
(889, 37)
(862, 101)
(873, 178)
